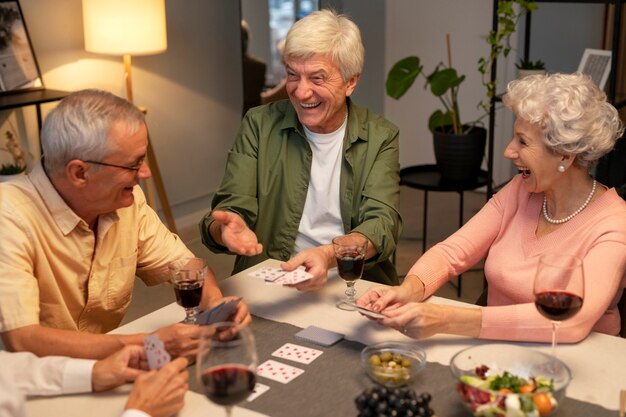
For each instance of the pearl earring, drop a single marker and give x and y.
(561, 168)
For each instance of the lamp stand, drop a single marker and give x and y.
(155, 179)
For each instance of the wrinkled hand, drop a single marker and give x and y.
(161, 393)
(236, 235)
(316, 261)
(416, 320)
(180, 339)
(119, 368)
(381, 298)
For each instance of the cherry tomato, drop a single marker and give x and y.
(525, 389)
(543, 404)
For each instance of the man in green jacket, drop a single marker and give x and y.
(316, 166)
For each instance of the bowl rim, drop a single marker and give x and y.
(509, 347)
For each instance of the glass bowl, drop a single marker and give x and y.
(539, 393)
(393, 364)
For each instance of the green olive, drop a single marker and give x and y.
(374, 360)
(385, 356)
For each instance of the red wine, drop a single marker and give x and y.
(350, 266)
(558, 305)
(188, 294)
(228, 384)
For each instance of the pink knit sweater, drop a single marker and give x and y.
(504, 232)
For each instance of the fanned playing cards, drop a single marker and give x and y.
(278, 276)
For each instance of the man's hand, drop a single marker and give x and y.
(241, 314)
(180, 339)
(316, 262)
(235, 234)
(119, 368)
(161, 393)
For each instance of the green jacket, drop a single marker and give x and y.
(267, 176)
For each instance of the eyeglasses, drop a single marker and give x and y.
(106, 164)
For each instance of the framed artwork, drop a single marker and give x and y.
(597, 64)
(18, 67)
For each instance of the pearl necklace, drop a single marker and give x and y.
(571, 216)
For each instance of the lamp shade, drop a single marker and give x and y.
(125, 27)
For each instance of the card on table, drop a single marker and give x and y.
(258, 390)
(220, 312)
(319, 336)
(297, 353)
(155, 351)
(277, 371)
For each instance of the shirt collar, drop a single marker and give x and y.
(63, 215)
(355, 129)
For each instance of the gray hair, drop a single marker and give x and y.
(328, 33)
(78, 128)
(571, 111)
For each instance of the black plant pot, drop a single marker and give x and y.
(459, 157)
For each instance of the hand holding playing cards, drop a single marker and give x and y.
(119, 368)
(230, 308)
(316, 261)
(161, 393)
(380, 297)
(180, 339)
(236, 235)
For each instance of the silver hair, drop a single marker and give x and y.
(78, 128)
(328, 33)
(571, 111)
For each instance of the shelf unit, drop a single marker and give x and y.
(611, 85)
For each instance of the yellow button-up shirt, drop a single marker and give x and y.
(55, 272)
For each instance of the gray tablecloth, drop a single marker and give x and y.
(331, 382)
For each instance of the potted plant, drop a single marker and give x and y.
(527, 67)
(459, 146)
(18, 165)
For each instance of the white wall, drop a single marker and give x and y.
(192, 91)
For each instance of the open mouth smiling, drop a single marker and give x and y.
(309, 105)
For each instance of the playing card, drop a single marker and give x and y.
(257, 391)
(155, 351)
(297, 353)
(277, 371)
(220, 312)
(268, 273)
(362, 310)
(293, 277)
(319, 336)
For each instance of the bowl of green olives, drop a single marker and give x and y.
(393, 364)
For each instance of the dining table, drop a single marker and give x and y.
(329, 384)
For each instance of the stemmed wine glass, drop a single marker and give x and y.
(187, 276)
(226, 363)
(350, 253)
(559, 289)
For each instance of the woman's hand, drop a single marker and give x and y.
(421, 320)
(380, 298)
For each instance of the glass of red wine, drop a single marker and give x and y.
(559, 289)
(226, 363)
(350, 253)
(187, 277)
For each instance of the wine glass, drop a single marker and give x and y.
(559, 289)
(226, 363)
(188, 279)
(350, 253)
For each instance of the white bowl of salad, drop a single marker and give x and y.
(501, 380)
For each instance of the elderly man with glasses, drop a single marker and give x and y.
(77, 230)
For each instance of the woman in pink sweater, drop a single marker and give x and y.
(564, 125)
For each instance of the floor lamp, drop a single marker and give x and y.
(130, 27)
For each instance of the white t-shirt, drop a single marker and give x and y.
(321, 217)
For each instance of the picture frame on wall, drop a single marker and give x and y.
(597, 64)
(19, 70)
